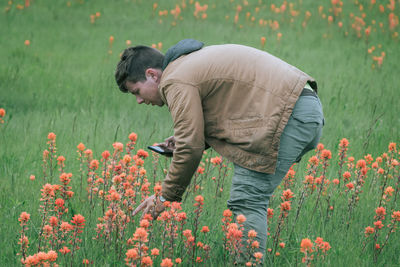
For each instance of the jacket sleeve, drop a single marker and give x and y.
(184, 103)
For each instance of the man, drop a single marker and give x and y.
(254, 109)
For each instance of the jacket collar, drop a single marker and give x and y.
(184, 47)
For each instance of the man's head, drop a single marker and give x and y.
(139, 72)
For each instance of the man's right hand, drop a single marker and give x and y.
(169, 144)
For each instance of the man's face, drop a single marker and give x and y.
(147, 91)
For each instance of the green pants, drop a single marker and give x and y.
(251, 190)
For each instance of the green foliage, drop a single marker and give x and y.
(63, 83)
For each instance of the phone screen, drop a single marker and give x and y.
(156, 149)
(160, 150)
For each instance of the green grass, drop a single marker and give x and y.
(63, 83)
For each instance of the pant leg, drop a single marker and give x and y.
(251, 190)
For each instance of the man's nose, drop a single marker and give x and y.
(139, 100)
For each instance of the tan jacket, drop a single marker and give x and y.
(237, 99)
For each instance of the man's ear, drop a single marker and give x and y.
(153, 73)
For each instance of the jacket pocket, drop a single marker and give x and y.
(249, 133)
(308, 109)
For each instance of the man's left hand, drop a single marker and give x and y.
(151, 205)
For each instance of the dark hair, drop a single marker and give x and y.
(134, 62)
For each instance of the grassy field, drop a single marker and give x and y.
(57, 75)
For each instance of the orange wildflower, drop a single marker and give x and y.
(199, 199)
(396, 216)
(258, 255)
(368, 158)
(309, 179)
(27, 42)
(32, 177)
(2, 112)
(361, 164)
(78, 220)
(282, 244)
(140, 162)
(320, 147)
(380, 211)
(155, 252)
(94, 164)
(285, 206)
(314, 160)
(51, 256)
(187, 233)
(346, 175)
(126, 159)
(306, 245)
(205, 229)
(115, 196)
(344, 143)
(287, 194)
(88, 153)
(65, 250)
(270, 213)
(263, 39)
(378, 224)
(241, 219)
(142, 153)
(326, 154)
(392, 147)
(66, 227)
(227, 213)
(157, 188)
(167, 262)
(255, 244)
(147, 261)
(252, 234)
(53, 220)
(81, 147)
(144, 223)
(51, 136)
(133, 137)
(47, 190)
(118, 146)
(216, 160)
(47, 229)
(181, 216)
(369, 230)
(24, 217)
(350, 186)
(140, 234)
(59, 202)
(389, 190)
(178, 260)
(200, 170)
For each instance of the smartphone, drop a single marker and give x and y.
(161, 151)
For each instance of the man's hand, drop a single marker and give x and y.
(169, 144)
(151, 205)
